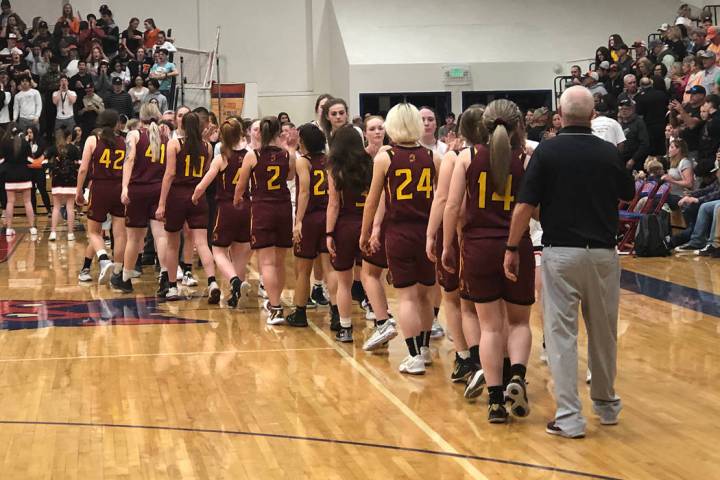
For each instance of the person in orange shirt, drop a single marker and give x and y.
(151, 33)
(713, 39)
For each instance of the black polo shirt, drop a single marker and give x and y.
(577, 179)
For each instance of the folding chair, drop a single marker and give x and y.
(625, 205)
(655, 200)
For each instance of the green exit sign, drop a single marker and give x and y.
(457, 72)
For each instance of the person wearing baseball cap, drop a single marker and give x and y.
(710, 70)
(119, 100)
(637, 143)
(688, 117)
(713, 40)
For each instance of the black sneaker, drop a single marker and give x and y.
(475, 384)
(116, 281)
(553, 429)
(708, 251)
(516, 394)
(358, 292)
(124, 286)
(234, 297)
(162, 288)
(344, 335)
(335, 322)
(462, 371)
(715, 253)
(310, 304)
(297, 319)
(497, 413)
(318, 295)
(138, 266)
(148, 259)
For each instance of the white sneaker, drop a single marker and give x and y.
(413, 365)
(437, 330)
(266, 305)
(261, 291)
(275, 317)
(214, 293)
(188, 280)
(369, 313)
(134, 273)
(172, 295)
(84, 275)
(106, 269)
(52, 237)
(588, 377)
(71, 237)
(381, 335)
(179, 274)
(9, 232)
(426, 355)
(33, 231)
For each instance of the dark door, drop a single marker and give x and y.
(380, 103)
(525, 99)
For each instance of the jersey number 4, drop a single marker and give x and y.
(423, 185)
(507, 198)
(117, 164)
(149, 154)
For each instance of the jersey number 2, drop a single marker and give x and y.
(423, 185)
(273, 183)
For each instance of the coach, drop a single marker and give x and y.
(576, 179)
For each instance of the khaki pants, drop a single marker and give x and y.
(588, 279)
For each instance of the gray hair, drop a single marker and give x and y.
(576, 106)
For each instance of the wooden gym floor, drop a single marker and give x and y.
(96, 385)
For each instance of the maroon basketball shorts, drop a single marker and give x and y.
(180, 209)
(482, 277)
(143, 204)
(405, 250)
(232, 224)
(378, 259)
(448, 281)
(104, 199)
(313, 236)
(270, 225)
(347, 243)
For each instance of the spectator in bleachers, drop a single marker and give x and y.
(698, 41)
(11, 48)
(40, 61)
(652, 105)
(103, 86)
(64, 100)
(640, 47)
(607, 128)
(687, 118)
(155, 96)
(614, 81)
(111, 40)
(709, 140)
(42, 35)
(624, 60)
(590, 81)
(150, 34)
(92, 105)
(139, 65)
(138, 93)
(6, 12)
(79, 80)
(660, 70)
(71, 66)
(637, 142)
(27, 105)
(121, 71)
(644, 68)
(713, 40)
(163, 71)
(163, 42)
(676, 41)
(4, 107)
(691, 205)
(680, 172)
(131, 38)
(614, 43)
(602, 54)
(538, 124)
(576, 73)
(69, 19)
(684, 15)
(661, 53)
(90, 32)
(119, 100)
(706, 20)
(710, 71)
(631, 88)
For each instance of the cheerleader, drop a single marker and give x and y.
(271, 210)
(373, 265)
(231, 231)
(310, 218)
(349, 175)
(103, 157)
(407, 172)
(16, 155)
(63, 161)
(487, 178)
(459, 314)
(142, 181)
(188, 159)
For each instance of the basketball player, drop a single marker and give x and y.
(349, 175)
(231, 233)
(373, 265)
(103, 157)
(479, 174)
(309, 230)
(271, 210)
(407, 171)
(460, 315)
(143, 173)
(188, 159)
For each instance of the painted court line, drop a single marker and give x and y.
(407, 411)
(162, 354)
(310, 439)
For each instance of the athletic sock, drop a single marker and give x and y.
(518, 369)
(171, 284)
(334, 310)
(211, 279)
(420, 340)
(186, 267)
(496, 394)
(163, 276)
(345, 322)
(318, 284)
(117, 268)
(125, 275)
(426, 338)
(87, 262)
(102, 255)
(475, 355)
(380, 323)
(412, 346)
(506, 375)
(463, 354)
(436, 310)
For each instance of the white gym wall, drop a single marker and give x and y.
(296, 49)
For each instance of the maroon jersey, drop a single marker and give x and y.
(228, 178)
(487, 212)
(318, 198)
(352, 204)
(269, 176)
(146, 169)
(107, 160)
(189, 171)
(409, 184)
